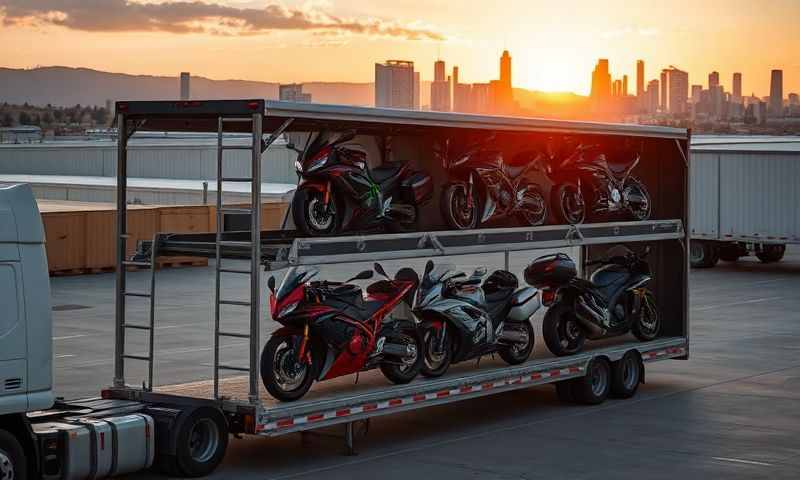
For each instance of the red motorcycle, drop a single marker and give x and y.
(331, 329)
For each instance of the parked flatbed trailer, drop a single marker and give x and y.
(191, 422)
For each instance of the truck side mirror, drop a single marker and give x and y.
(271, 284)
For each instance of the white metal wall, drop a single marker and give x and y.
(176, 161)
(758, 195)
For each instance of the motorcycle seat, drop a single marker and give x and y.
(383, 174)
(513, 171)
(367, 310)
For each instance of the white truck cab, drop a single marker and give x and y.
(26, 375)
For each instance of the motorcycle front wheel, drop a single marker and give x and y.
(284, 377)
(562, 334)
(518, 353)
(407, 368)
(648, 325)
(533, 211)
(456, 208)
(637, 199)
(311, 215)
(568, 204)
(438, 351)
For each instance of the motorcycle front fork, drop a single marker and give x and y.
(303, 354)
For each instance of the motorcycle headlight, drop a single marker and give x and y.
(288, 309)
(317, 163)
(298, 165)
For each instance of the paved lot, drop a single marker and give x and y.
(732, 411)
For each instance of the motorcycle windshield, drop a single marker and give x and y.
(293, 278)
(439, 274)
(324, 139)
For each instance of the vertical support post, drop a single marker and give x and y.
(255, 257)
(218, 257)
(506, 259)
(121, 239)
(151, 339)
(349, 445)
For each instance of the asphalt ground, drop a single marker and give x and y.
(731, 411)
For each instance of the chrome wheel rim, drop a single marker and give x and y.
(599, 379)
(433, 360)
(638, 201)
(534, 209)
(572, 205)
(289, 374)
(462, 213)
(410, 359)
(630, 372)
(203, 440)
(6, 466)
(319, 217)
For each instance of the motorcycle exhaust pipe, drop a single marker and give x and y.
(512, 336)
(398, 350)
(589, 319)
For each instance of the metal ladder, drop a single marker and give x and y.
(254, 210)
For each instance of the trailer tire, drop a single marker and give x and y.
(703, 254)
(564, 391)
(771, 253)
(731, 252)
(201, 441)
(626, 375)
(594, 387)
(13, 462)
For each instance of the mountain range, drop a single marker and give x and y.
(67, 86)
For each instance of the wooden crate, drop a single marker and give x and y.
(272, 214)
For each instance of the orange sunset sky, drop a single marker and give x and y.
(554, 44)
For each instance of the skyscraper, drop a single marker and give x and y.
(662, 104)
(624, 86)
(737, 88)
(395, 84)
(697, 91)
(776, 94)
(502, 95)
(639, 78)
(651, 97)
(505, 69)
(185, 91)
(440, 88)
(601, 81)
(713, 80)
(677, 89)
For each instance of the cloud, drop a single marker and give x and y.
(184, 17)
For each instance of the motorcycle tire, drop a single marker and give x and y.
(530, 219)
(556, 326)
(456, 221)
(273, 357)
(640, 214)
(569, 206)
(514, 356)
(402, 374)
(304, 203)
(435, 368)
(649, 309)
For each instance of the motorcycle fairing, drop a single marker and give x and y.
(524, 304)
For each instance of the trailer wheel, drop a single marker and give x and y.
(564, 391)
(703, 254)
(594, 387)
(13, 463)
(626, 374)
(731, 252)
(201, 442)
(771, 253)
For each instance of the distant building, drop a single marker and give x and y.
(737, 88)
(395, 82)
(21, 134)
(677, 90)
(480, 97)
(616, 88)
(293, 92)
(462, 93)
(440, 88)
(776, 94)
(662, 104)
(417, 91)
(601, 81)
(185, 91)
(651, 97)
(502, 94)
(713, 80)
(697, 92)
(639, 78)
(624, 85)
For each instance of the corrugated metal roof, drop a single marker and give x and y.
(765, 144)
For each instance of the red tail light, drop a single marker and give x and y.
(548, 297)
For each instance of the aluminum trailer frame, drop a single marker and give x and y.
(281, 249)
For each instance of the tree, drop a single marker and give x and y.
(24, 118)
(8, 120)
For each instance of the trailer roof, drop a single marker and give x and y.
(201, 115)
(745, 144)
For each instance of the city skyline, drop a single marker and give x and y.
(555, 46)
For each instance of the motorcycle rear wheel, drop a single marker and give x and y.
(519, 353)
(405, 371)
(454, 207)
(311, 216)
(282, 377)
(637, 200)
(648, 325)
(562, 334)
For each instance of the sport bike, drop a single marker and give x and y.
(588, 184)
(485, 187)
(332, 329)
(613, 301)
(462, 319)
(339, 192)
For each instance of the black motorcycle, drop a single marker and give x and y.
(614, 301)
(588, 184)
(485, 188)
(339, 192)
(462, 319)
